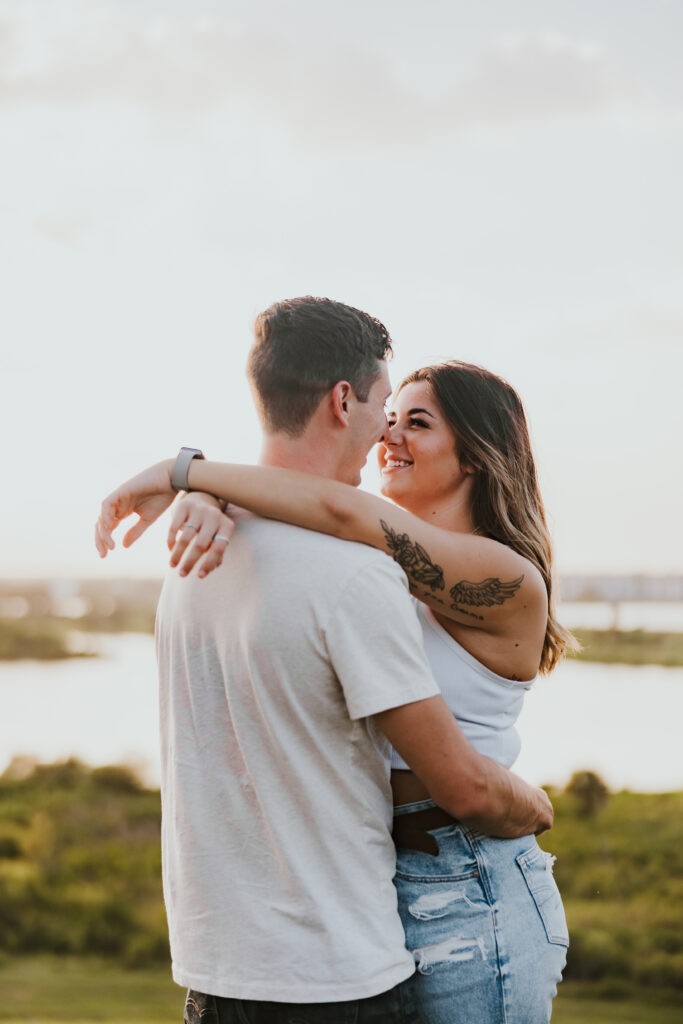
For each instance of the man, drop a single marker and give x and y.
(281, 677)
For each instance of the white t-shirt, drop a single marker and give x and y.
(277, 852)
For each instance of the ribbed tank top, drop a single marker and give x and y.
(485, 705)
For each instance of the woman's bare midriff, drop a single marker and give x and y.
(407, 787)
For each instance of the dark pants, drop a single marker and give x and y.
(393, 1007)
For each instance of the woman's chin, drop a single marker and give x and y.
(391, 489)
(385, 485)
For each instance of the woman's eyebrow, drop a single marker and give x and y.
(413, 411)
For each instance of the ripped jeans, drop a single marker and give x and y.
(485, 923)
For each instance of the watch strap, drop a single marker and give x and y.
(181, 467)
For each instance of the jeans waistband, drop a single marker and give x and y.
(417, 805)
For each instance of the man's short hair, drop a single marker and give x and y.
(302, 347)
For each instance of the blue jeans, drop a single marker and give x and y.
(393, 1007)
(485, 923)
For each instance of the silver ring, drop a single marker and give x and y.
(220, 536)
(191, 526)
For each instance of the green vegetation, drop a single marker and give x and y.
(581, 1004)
(589, 792)
(125, 618)
(47, 638)
(41, 640)
(630, 647)
(81, 908)
(39, 618)
(81, 871)
(620, 871)
(76, 990)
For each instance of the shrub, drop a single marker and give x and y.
(589, 792)
(10, 848)
(118, 778)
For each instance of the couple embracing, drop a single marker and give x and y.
(343, 841)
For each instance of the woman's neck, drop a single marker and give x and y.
(454, 513)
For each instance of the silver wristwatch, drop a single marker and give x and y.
(182, 465)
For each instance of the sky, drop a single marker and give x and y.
(497, 182)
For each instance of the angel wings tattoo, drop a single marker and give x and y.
(487, 593)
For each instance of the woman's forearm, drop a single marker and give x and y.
(291, 496)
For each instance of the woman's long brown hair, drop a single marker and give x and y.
(487, 418)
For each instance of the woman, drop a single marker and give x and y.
(482, 916)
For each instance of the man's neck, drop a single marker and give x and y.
(305, 454)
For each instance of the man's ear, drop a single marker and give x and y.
(340, 400)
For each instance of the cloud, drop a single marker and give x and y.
(323, 94)
(186, 70)
(61, 230)
(542, 75)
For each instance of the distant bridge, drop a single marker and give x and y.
(621, 588)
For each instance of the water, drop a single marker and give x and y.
(651, 615)
(621, 721)
(102, 710)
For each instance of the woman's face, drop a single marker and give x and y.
(417, 457)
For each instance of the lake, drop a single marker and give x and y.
(620, 721)
(650, 615)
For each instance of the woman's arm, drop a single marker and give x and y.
(470, 579)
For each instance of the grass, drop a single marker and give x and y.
(75, 990)
(630, 647)
(585, 1004)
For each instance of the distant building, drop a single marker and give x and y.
(104, 598)
(621, 588)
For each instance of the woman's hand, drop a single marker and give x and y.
(148, 495)
(199, 527)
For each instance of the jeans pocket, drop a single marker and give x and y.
(537, 867)
(200, 1008)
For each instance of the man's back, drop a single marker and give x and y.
(278, 857)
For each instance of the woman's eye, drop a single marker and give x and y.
(417, 423)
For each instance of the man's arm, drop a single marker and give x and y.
(471, 787)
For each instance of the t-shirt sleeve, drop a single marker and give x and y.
(374, 642)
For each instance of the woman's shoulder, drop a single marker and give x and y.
(527, 577)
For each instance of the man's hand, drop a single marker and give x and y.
(545, 812)
(148, 495)
(471, 787)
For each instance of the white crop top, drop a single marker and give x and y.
(485, 705)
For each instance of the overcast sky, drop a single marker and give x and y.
(498, 182)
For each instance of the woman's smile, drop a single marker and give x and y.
(392, 464)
